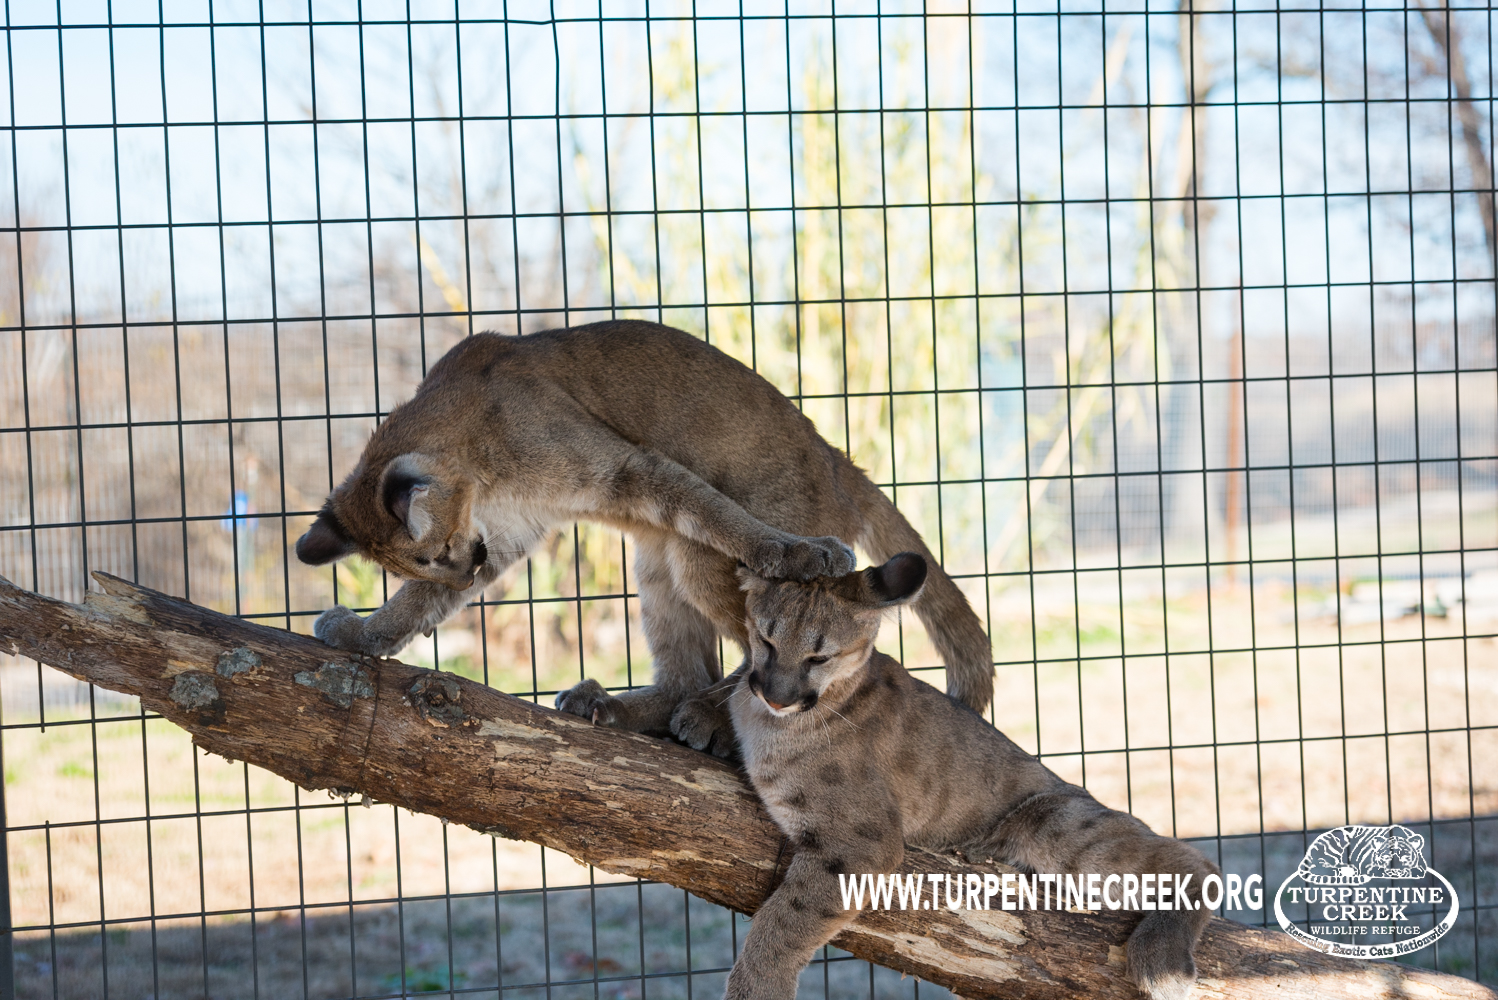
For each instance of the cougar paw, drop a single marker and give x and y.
(1160, 957)
(759, 983)
(1167, 986)
(795, 558)
(340, 628)
(589, 700)
(703, 724)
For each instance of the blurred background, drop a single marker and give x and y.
(1171, 327)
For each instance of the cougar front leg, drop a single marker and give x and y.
(803, 914)
(683, 645)
(644, 485)
(419, 606)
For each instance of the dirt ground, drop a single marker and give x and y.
(629, 942)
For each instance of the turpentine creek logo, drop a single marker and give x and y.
(1367, 893)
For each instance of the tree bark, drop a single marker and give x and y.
(436, 743)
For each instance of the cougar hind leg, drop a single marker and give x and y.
(683, 645)
(1066, 830)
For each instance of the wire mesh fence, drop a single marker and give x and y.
(1172, 328)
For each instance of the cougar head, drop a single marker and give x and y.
(805, 638)
(413, 515)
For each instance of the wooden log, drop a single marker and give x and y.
(436, 743)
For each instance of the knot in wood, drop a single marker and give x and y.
(340, 683)
(239, 660)
(436, 698)
(195, 691)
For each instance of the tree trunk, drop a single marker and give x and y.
(1449, 40)
(436, 743)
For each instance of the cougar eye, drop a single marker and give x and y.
(815, 660)
(422, 561)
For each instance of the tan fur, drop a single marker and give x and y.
(854, 758)
(637, 426)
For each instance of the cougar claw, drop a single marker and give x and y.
(588, 700)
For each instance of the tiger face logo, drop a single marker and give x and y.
(1397, 854)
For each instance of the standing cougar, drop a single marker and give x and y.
(854, 758)
(643, 428)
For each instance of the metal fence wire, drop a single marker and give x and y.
(1172, 329)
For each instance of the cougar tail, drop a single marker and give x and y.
(943, 609)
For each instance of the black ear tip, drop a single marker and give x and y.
(910, 569)
(308, 550)
(900, 577)
(324, 542)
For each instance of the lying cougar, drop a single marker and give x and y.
(637, 426)
(854, 758)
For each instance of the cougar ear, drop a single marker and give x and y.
(326, 541)
(898, 581)
(406, 488)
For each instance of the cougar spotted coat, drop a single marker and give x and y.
(854, 759)
(644, 428)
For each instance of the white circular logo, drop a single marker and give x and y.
(1369, 894)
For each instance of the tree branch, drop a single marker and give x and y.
(436, 743)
